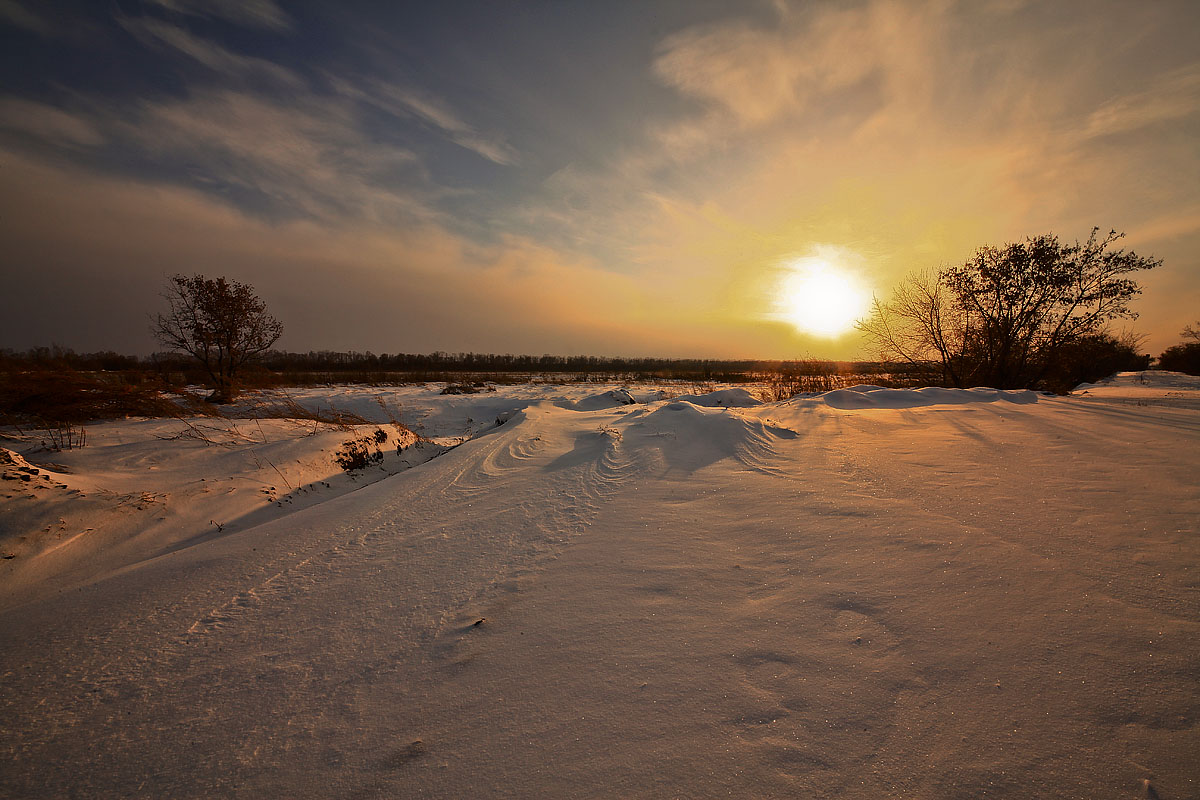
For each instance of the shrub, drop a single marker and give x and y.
(361, 452)
(1181, 358)
(63, 436)
(1092, 358)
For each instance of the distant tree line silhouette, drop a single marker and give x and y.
(1185, 356)
(351, 363)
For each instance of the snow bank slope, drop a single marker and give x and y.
(982, 599)
(1152, 387)
(143, 487)
(723, 398)
(610, 399)
(856, 397)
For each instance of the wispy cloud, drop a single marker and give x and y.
(1173, 96)
(296, 153)
(309, 155)
(13, 13)
(404, 102)
(907, 132)
(156, 33)
(757, 74)
(904, 133)
(1169, 226)
(335, 284)
(47, 124)
(250, 13)
(460, 132)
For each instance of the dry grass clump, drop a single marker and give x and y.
(63, 436)
(282, 406)
(466, 387)
(33, 395)
(786, 385)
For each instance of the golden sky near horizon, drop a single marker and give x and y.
(672, 179)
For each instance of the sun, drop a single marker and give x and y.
(819, 298)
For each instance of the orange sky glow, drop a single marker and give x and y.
(537, 194)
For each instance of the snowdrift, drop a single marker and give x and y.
(1150, 388)
(865, 396)
(723, 398)
(989, 594)
(595, 402)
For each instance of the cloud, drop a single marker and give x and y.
(286, 154)
(1169, 226)
(156, 33)
(48, 124)
(307, 156)
(1170, 97)
(413, 288)
(746, 72)
(16, 14)
(404, 102)
(904, 134)
(908, 133)
(460, 132)
(249, 13)
(757, 74)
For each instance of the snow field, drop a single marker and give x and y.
(930, 593)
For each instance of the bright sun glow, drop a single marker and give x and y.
(819, 298)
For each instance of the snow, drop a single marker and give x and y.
(1157, 388)
(142, 487)
(868, 593)
(728, 398)
(608, 399)
(858, 397)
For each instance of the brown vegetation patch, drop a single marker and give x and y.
(38, 395)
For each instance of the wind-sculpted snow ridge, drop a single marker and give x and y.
(866, 396)
(988, 594)
(687, 437)
(146, 487)
(722, 398)
(610, 399)
(1149, 388)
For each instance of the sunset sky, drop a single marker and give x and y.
(612, 178)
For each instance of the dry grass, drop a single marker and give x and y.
(282, 406)
(41, 396)
(64, 436)
(785, 386)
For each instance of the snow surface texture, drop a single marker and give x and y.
(861, 594)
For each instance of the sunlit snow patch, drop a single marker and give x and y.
(725, 398)
(876, 397)
(609, 399)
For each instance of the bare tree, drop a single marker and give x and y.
(1006, 316)
(919, 326)
(222, 324)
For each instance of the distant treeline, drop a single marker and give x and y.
(440, 362)
(354, 361)
(277, 367)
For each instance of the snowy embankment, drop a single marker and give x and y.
(868, 593)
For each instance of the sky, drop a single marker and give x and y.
(641, 178)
